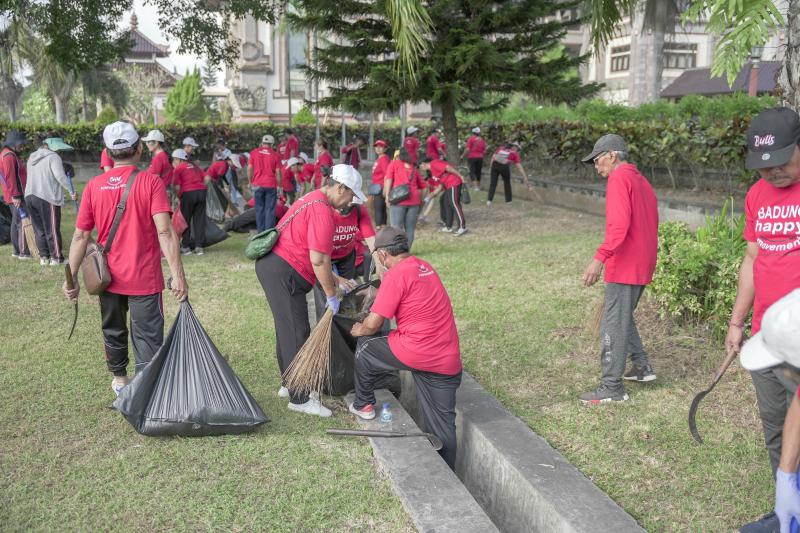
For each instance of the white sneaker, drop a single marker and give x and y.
(198, 251)
(118, 383)
(488, 203)
(283, 392)
(55, 262)
(44, 261)
(446, 230)
(460, 232)
(312, 407)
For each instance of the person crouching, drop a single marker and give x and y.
(425, 341)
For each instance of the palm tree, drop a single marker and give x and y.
(10, 67)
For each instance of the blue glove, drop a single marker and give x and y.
(333, 304)
(787, 501)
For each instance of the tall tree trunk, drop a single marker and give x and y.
(655, 61)
(450, 131)
(12, 110)
(647, 52)
(61, 109)
(789, 78)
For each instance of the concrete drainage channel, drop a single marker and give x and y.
(507, 478)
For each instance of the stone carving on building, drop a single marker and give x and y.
(255, 100)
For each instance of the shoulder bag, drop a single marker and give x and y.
(94, 267)
(262, 243)
(401, 192)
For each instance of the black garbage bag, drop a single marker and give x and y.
(188, 389)
(216, 203)
(214, 234)
(5, 224)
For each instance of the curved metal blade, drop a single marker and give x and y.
(74, 322)
(693, 414)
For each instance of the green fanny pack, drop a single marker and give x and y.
(262, 243)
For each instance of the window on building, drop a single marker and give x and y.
(621, 58)
(680, 55)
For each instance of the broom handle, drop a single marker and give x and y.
(366, 433)
(68, 275)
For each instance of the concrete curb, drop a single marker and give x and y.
(430, 492)
(521, 482)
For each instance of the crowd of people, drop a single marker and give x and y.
(329, 226)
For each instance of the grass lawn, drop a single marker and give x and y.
(67, 462)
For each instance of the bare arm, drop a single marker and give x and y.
(77, 251)
(387, 188)
(250, 173)
(745, 294)
(322, 269)
(790, 450)
(170, 247)
(369, 326)
(370, 243)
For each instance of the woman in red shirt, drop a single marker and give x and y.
(190, 182)
(411, 143)
(503, 158)
(300, 258)
(159, 161)
(324, 159)
(474, 152)
(376, 198)
(450, 183)
(404, 213)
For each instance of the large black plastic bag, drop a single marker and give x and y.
(188, 389)
(5, 224)
(214, 234)
(216, 203)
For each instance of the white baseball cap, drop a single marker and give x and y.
(267, 139)
(188, 141)
(154, 135)
(180, 153)
(779, 339)
(120, 135)
(294, 161)
(304, 156)
(476, 130)
(350, 178)
(411, 129)
(234, 158)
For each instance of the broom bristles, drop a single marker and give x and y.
(310, 368)
(30, 237)
(596, 318)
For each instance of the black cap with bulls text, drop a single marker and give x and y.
(771, 138)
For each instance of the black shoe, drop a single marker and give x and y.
(768, 523)
(642, 374)
(604, 394)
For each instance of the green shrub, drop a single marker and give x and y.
(697, 274)
(304, 117)
(106, 116)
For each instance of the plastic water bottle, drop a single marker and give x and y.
(386, 417)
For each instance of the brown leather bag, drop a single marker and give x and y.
(94, 267)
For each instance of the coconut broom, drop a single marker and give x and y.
(30, 233)
(310, 369)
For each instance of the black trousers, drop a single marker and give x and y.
(286, 291)
(453, 210)
(146, 329)
(193, 208)
(505, 172)
(46, 219)
(18, 242)
(436, 393)
(475, 168)
(443, 207)
(379, 204)
(346, 266)
(774, 393)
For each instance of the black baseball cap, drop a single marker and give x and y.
(771, 138)
(390, 236)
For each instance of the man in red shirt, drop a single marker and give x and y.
(292, 143)
(434, 149)
(191, 186)
(425, 341)
(351, 154)
(771, 265)
(134, 255)
(450, 182)
(324, 159)
(379, 169)
(264, 173)
(474, 152)
(411, 143)
(14, 180)
(629, 256)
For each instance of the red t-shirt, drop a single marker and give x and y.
(308, 173)
(411, 144)
(161, 167)
(346, 227)
(292, 146)
(439, 171)
(283, 151)
(426, 337)
(511, 155)
(135, 257)
(105, 160)
(265, 162)
(217, 170)
(772, 220)
(355, 155)
(379, 169)
(324, 160)
(287, 175)
(280, 207)
(432, 147)
(312, 229)
(189, 177)
(476, 147)
(401, 173)
(11, 188)
(631, 242)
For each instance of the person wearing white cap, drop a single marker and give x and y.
(221, 172)
(777, 346)
(292, 178)
(131, 246)
(264, 173)
(411, 143)
(474, 152)
(191, 186)
(189, 144)
(301, 257)
(159, 159)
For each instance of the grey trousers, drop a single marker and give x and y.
(618, 332)
(774, 392)
(404, 217)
